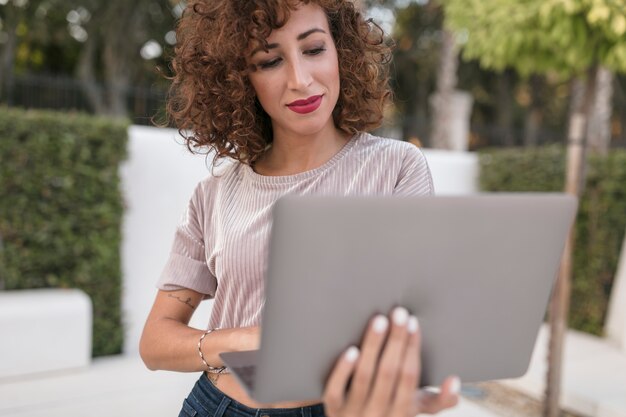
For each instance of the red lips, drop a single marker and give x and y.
(307, 105)
(304, 102)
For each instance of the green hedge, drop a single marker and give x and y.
(599, 227)
(61, 210)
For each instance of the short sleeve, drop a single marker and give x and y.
(414, 178)
(186, 266)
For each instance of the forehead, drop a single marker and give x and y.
(303, 18)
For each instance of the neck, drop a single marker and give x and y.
(293, 154)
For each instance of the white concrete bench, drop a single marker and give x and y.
(44, 330)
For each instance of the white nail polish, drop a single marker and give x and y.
(400, 316)
(352, 354)
(380, 324)
(412, 325)
(455, 386)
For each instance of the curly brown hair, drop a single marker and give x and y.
(212, 101)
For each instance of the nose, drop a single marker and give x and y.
(299, 76)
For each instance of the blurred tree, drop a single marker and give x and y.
(569, 38)
(38, 37)
(10, 15)
(110, 45)
(599, 132)
(119, 37)
(564, 38)
(14, 15)
(426, 49)
(535, 113)
(443, 107)
(123, 32)
(497, 113)
(417, 33)
(618, 125)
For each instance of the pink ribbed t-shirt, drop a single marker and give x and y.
(220, 246)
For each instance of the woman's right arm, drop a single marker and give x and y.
(168, 343)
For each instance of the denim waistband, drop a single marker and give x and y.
(207, 393)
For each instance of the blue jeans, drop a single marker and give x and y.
(205, 400)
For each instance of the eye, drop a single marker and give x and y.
(314, 51)
(269, 64)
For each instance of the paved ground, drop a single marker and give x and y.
(501, 399)
(594, 375)
(113, 386)
(594, 386)
(120, 387)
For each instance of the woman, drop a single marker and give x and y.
(285, 89)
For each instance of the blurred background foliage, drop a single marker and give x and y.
(61, 210)
(528, 67)
(110, 57)
(600, 223)
(92, 55)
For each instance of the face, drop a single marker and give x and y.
(297, 80)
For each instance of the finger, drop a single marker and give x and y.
(404, 401)
(366, 365)
(390, 364)
(446, 398)
(334, 392)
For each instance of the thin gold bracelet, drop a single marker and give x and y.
(210, 369)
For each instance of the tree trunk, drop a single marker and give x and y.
(599, 132)
(577, 96)
(86, 74)
(117, 81)
(441, 101)
(620, 100)
(504, 109)
(112, 28)
(421, 112)
(7, 57)
(534, 117)
(114, 57)
(559, 303)
(415, 122)
(125, 22)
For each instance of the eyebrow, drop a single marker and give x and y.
(300, 37)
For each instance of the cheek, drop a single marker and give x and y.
(266, 91)
(331, 71)
(260, 85)
(333, 83)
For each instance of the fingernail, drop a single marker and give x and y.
(380, 324)
(413, 325)
(455, 386)
(400, 316)
(352, 354)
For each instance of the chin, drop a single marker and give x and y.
(308, 127)
(309, 131)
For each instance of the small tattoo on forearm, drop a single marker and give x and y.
(187, 301)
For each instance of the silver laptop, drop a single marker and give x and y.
(476, 270)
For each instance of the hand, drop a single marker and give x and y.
(384, 384)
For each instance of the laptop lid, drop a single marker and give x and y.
(476, 270)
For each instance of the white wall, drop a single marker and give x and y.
(158, 179)
(453, 172)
